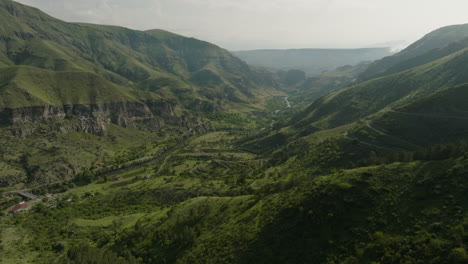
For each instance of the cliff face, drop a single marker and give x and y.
(95, 118)
(35, 147)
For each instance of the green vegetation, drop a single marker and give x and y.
(437, 44)
(66, 60)
(149, 147)
(24, 86)
(61, 82)
(406, 211)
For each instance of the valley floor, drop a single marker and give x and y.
(205, 201)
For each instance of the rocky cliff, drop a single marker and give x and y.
(37, 147)
(95, 118)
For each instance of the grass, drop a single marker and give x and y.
(28, 86)
(213, 137)
(115, 60)
(12, 240)
(125, 221)
(322, 135)
(355, 102)
(77, 150)
(229, 225)
(213, 203)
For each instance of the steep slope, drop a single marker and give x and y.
(432, 46)
(448, 101)
(62, 84)
(188, 70)
(401, 212)
(381, 114)
(352, 103)
(312, 61)
(427, 57)
(315, 87)
(439, 118)
(373, 173)
(24, 86)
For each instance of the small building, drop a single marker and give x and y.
(20, 207)
(100, 164)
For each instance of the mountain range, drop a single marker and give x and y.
(312, 61)
(412, 81)
(150, 147)
(59, 77)
(190, 71)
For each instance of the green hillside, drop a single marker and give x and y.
(439, 118)
(60, 78)
(431, 45)
(352, 103)
(163, 61)
(207, 203)
(24, 86)
(390, 113)
(448, 101)
(427, 57)
(146, 147)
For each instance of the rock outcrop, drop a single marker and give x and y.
(95, 118)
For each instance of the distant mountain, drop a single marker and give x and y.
(438, 41)
(329, 81)
(312, 61)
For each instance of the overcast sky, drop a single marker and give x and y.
(257, 24)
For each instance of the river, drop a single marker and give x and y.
(287, 101)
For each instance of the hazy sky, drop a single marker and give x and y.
(256, 24)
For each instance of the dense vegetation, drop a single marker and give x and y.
(437, 44)
(374, 172)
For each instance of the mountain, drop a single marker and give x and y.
(59, 78)
(311, 61)
(436, 44)
(440, 117)
(193, 72)
(355, 102)
(312, 88)
(380, 107)
(118, 147)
